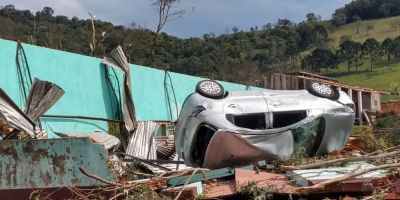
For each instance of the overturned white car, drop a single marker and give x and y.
(218, 129)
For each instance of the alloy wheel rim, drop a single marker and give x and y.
(210, 87)
(322, 88)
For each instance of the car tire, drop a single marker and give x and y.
(210, 89)
(322, 90)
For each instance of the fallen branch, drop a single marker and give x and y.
(337, 161)
(356, 172)
(117, 196)
(186, 183)
(173, 174)
(145, 161)
(93, 176)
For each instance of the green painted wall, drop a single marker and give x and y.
(86, 90)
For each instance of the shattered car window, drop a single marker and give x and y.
(307, 137)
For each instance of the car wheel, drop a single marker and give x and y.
(322, 90)
(210, 89)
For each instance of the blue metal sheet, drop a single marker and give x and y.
(51, 163)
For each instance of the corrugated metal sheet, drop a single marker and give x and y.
(107, 140)
(13, 116)
(142, 143)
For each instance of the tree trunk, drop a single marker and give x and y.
(371, 62)
(348, 62)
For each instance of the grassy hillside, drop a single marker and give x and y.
(381, 78)
(381, 29)
(384, 74)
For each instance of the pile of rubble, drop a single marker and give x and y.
(357, 175)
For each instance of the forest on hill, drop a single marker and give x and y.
(365, 10)
(239, 56)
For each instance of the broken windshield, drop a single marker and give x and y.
(307, 137)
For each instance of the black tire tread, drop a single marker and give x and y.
(219, 95)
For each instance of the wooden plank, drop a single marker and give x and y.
(294, 83)
(317, 76)
(350, 92)
(360, 107)
(277, 82)
(271, 79)
(265, 82)
(283, 80)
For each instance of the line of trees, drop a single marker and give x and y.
(365, 10)
(353, 54)
(238, 55)
(235, 56)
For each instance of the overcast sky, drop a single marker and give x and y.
(202, 16)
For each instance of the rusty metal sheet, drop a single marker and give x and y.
(51, 163)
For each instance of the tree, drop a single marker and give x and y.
(395, 47)
(357, 19)
(165, 12)
(235, 29)
(312, 18)
(386, 46)
(45, 12)
(369, 28)
(284, 23)
(371, 48)
(319, 59)
(9, 7)
(366, 9)
(320, 35)
(351, 51)
(339, 17)
(267, 26)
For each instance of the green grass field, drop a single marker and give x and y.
(382, 28)
(384, 74)
(381, 78)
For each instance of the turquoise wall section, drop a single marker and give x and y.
(86, 89)
(52, 163)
